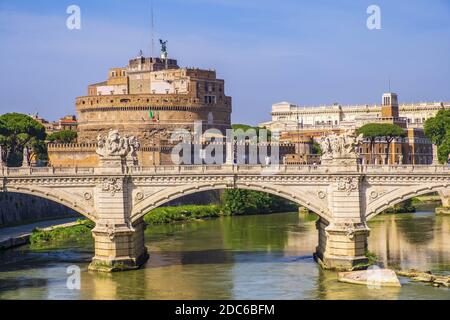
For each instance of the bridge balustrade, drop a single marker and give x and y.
(404, 169)
(229, 169)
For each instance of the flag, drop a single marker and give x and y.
(151, 115)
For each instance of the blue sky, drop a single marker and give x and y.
(305, 52)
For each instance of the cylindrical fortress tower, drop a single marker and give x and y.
(150, 99)
(151, 118)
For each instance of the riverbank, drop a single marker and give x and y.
(68, 232)
(426, 199)
(403, 207)
(159, 216)
(12, 237)
(414, 204)
(165, 215)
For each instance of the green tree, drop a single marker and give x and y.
(437, 129)
(316, 148)
(370, 131)
(65, 136)
(389, 132)
(444, 149)
(239, 202)
(246, 127)
(17, 131)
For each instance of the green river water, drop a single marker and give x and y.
(249, 257)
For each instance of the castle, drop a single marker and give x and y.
(147, 99)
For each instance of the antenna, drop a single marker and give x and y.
(153, 29)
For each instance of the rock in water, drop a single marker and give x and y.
(442, 281)
(373, 277)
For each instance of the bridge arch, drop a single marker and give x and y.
(399, 195)
(70, 201)
(170, 194)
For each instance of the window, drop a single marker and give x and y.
(210, 99)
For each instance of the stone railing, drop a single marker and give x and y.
(392, 169)
(37, 171)
(228, 169)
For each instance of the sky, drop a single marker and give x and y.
(305, 52)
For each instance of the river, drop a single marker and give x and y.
(249, 257)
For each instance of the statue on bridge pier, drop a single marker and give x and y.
(116, 151)
(26, 157)
(2, 163)
(134, 146)
(341, 149)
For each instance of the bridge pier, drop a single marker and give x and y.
(119, 244)
(342, 246)
(445, 198)
(343, 239)
(119, 247)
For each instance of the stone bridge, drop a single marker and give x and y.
(117, 195)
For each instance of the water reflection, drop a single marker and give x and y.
(419, 240)
(256, 257)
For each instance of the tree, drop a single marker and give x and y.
(388, 131)
(65, 136)
(371, 132)
(444, 149)
(245, 127)
(17, 131)
(437, 129)
(239, 202)
(316, 148)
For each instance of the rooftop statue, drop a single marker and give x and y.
(163, 46)
(164, 53)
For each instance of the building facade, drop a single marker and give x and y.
(301, 123)
(289, 117)
(68, 123)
